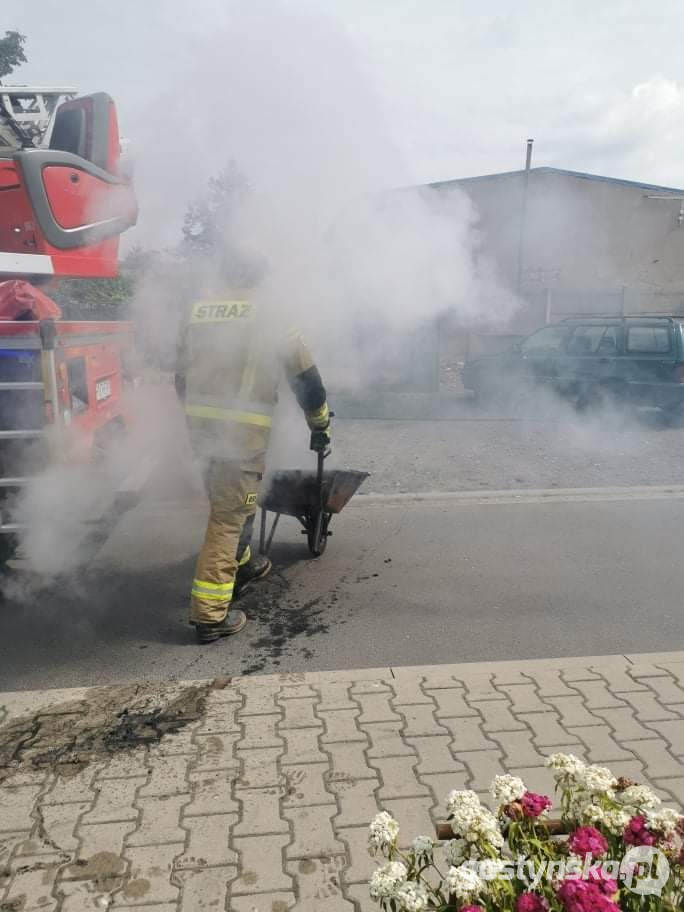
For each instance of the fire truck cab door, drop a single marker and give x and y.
(78, 196)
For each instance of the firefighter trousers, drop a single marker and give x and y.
(232, 496)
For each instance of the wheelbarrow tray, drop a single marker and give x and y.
(295, 492)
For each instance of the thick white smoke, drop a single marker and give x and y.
(283, 95)
(356, 264)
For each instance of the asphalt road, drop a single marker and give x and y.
(404, 581)
(536, 449)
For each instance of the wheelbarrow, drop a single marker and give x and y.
(311, 497)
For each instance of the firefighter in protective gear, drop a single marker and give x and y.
(229, 365)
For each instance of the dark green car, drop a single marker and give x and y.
(594, 361)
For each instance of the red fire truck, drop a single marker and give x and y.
(64, 200)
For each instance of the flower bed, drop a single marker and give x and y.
(621, 852)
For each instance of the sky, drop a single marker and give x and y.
(458, 85)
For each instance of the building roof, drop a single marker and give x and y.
(578, 174)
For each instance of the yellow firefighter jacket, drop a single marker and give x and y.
(228, 368)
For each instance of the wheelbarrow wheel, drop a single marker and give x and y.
(317, 534)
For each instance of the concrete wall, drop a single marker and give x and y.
(599, 240)
(591, 234)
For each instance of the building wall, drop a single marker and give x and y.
(497, 200)
(594, 245)
(583, 234)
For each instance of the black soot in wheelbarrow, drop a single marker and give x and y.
(312, 497)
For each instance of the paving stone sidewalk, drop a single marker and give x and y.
(263, 802)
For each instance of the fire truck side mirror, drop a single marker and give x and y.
(88, 127)
(71, 199)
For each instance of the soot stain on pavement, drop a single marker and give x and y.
(66, 737)
(289, 625)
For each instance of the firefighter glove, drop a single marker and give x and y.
(320, 439)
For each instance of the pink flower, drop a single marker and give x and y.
(587, 841)
(585, 896)
(533, 805)
(472, 909)
(602, 882)
(530, 902)
(638, 834)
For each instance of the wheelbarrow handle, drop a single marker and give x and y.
(322, 454)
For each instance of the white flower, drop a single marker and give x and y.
(490, 831)
(593, 813)
(613, 820)
(507, 789)
(483, 829)
(471, 821)
(596, 779)
(463, 882)
(638, 797)
(568, 766)
(664, 820)
(464, 808)
(460, 802)
(385, 880)
(382, 832)
(457, 850)
(616, 821)
(422, 848)
(412, 897)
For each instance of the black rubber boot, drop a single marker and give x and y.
(256, 568)
(233, 623)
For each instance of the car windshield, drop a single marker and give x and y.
(551, 338)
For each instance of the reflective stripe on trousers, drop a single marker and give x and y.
(215, 592)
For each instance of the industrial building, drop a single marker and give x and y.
(569, 242)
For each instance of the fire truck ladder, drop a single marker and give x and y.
(10, 482)
(31, 109)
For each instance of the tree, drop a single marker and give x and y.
(211, 228)
(11, 52)
(208, 219)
